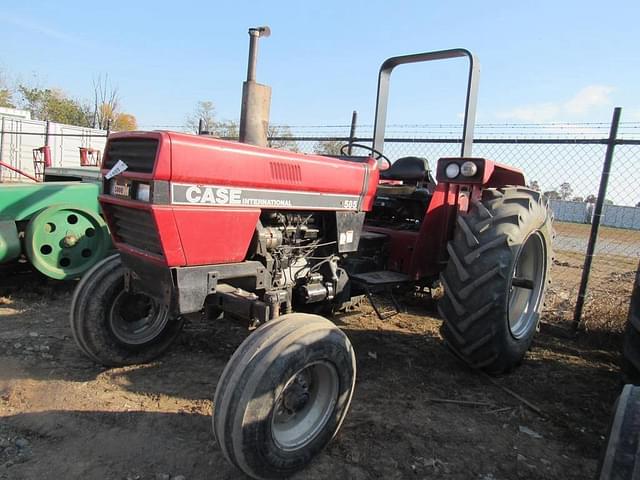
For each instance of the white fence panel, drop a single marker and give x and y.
(612, 215)
(66, 149)
(621, 217)
(18, 138)
(575, 212)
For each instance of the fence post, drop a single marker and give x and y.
(352, 131)
(46, 133)
(597, 214)
(108, 128)
(200, 126)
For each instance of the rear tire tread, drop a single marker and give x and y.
(631, 345)
(475, 280)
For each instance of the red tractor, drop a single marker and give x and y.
(274, 238)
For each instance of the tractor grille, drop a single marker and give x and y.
(138, 153)
(134, 227)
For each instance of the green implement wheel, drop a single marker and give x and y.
(64, 241)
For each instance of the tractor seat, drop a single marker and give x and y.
(408, 169)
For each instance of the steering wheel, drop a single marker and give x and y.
(376, 154)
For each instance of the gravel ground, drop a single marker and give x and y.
(65, 417)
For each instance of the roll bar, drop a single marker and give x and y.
(382, 98)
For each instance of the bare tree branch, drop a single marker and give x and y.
(106, 102)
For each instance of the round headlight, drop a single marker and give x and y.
(469, 169)
(452, 170)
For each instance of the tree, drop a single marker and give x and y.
(205, 111)
(534, 185)
(124, 122)
(593, 198)
(551, 195)
(6, 99)
(6, 95)
(565, 191)
(106, 107)
(284, 138)
(53, 105)
(229, 129)
(328, 147)
(106, 102)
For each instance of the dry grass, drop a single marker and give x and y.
(604, 233)
(608, 294)
(612, 267)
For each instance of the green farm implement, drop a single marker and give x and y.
(55, 226)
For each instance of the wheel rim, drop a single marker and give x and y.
(136, 319)
(305, 405)
(63, 242)
(526, 285)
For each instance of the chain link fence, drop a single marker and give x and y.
(565, 163)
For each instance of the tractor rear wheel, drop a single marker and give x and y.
(496, 276)
(631, 345)
(114, 327)
(620, 457)
(284, 395)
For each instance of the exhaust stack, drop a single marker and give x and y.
(256, 98)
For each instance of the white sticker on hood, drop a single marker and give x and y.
(117, 169)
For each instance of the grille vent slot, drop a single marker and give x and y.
(286, 172)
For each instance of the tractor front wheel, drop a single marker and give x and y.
(495, 279)
(283, 395)
(114, 327)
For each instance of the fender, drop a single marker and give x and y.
(453, 195)
(489, 174)
(498, 175)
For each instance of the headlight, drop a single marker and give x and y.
(143, 192)
(452, 170)
(469, 169)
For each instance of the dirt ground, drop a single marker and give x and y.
(63, 417)
(610, 282)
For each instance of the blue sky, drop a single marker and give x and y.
(544, 61)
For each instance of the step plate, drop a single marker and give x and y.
(382, 277)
